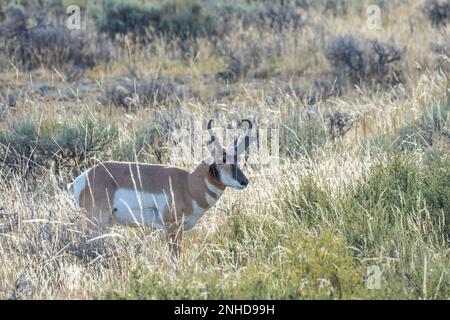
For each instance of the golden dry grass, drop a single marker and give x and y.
(249, 245)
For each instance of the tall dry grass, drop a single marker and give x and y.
(306, 232)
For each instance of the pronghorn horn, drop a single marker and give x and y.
(217, 149)
(248, 138)
(211, 133)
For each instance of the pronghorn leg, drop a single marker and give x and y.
(174, 234)
(89, 221)
(96, 219)
(102, 219)
(96, 200)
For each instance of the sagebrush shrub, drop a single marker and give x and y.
(8, 97)
(186, 20)
(339, 123)
(126, 16)
(48, 43)
(144, 144)
(279, 17)
(438, 12)
(40, 144)
(361, 61)
(174, 19)
(262, 15)
(139, 90)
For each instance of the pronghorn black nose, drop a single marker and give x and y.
(244, 183)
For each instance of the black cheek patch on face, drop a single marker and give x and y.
(235, 172)
(238, 175)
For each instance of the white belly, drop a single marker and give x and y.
(135, 208)
(190, 221)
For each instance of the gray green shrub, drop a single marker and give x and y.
(39, 143)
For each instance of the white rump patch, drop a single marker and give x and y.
(134, 208)
(78, 185)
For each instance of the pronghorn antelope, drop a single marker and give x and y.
(163, 197)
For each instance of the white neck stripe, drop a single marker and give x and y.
(213, 188)
(210, 200)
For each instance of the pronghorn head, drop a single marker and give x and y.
(224, 161)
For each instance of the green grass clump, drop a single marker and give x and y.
(429, 130)
(303, 137)
(397, 216)
(302, 266)
(308, 201)
(406, 186)
(398, 213)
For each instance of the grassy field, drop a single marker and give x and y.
(360, 206)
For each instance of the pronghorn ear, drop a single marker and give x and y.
(214, 170)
